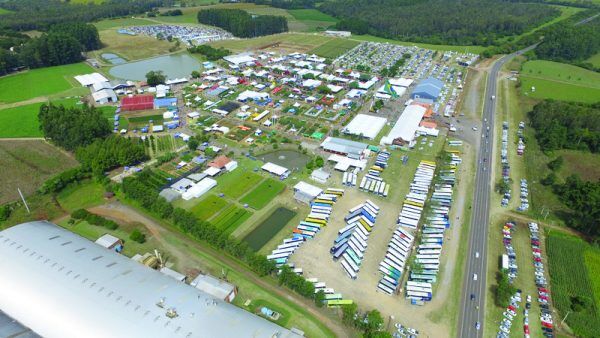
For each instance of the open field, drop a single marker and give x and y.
(584, 164)
(462, 49)
(595, 60)
(81, 195)
(237, 183)
(26, 164)
(117, 23)
(334, 48)
(40, 82)
(311, 14)
(131, 47)
(230, 218)
(289, 42)
(260, 196)
(559, 81)
(570, 277)
(208, 207)
(21, 121)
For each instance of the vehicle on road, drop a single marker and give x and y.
(477, 325)
(477, 253)
(474, 276)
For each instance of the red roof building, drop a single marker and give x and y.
(140, 102)
(219, 162)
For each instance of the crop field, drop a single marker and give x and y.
(559, 81)
(289, 42)
(229, 219)
(156, 179)
(26, 164)
(40, 82)
(334, 48)
(260, 196)
(81, 195)
(570, 277)
(209, 206)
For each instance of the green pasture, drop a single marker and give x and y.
(573, 266)
(311, 14)
(237, 183)
(40, 82)
(334, 48)
(81, 195)
(595, 60)
(209, 206)
(260, 196)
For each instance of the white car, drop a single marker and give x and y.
(474, 276)
(477, 254)
(474, 128)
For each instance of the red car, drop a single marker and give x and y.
(543, 290)
(547, 325)
(537, 259)
(526, 329)
(510, 307)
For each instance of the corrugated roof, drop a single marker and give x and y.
(81, 289)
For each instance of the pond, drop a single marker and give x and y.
(290, 159)
(113, 58)
(269, 227)
(173, 66)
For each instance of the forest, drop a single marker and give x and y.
(469, 22)
(62, 44)
(211, 53)
(241, 24)
(570, 43)
(566, 125)
(583, 198)
(109, 153)
(40, 14)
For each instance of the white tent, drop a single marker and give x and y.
(199, 189)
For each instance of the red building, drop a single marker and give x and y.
(140, 102)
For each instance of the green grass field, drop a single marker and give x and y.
(334, 48)
(595, 60)
(582, 163)
(237, 183)
(131, 47)
(312, 15)
(209, 206)
(4, 11)
(40, 82)
(81, 195)
(260, 196)
(462, 49)
(559, 81)
(117, 23)
(572, 264)
(230, 218)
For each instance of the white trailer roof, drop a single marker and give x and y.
(79, 288)
(308, 189)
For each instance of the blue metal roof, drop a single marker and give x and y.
(429, 88)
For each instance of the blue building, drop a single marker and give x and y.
(428, 89)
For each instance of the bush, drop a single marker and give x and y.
(137, 236)
(4, 212)
(82, 214)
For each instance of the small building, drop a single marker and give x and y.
(320, 175)
(173, 274)
(212, 171)
(110, 242)
(199, 189)
(275, 169)
(213, 286)
(429, 88)
(239, 59)
(87, 80)
(305, 193)
(165, 102)
(351, 149)
(139, 102)
(220, 162)
(169, 194)
(366, 126)
(182, 185)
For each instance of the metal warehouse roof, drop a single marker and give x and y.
(430, 86)
(61, 285)
(343, 146)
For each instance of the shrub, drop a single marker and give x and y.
(137, 236)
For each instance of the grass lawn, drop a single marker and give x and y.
(287, 41)
(257, 304)
(570, 276)
(40, 82)
(559, 81)
(26, 164)
(209, 206)
(595, 60)
(263, 193)
(132, 47)
(334, 48)
(21, 121)
(311, 14)
(230, 218)
(41, 206)
(117, 23)
(237, 183)
(81, 195)
(157, 119)
(462, 49)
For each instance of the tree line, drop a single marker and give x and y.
(469, 22)
(62, 44)
(41, 14)
(286, 4)
(211, 53)
(241, 24)
(566, 125)
(583, 198)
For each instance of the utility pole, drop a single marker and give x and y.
(24, 202)
(562, 321)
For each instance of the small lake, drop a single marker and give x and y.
(268, 228)
(113, 58)
(290, 159)
(173, 66)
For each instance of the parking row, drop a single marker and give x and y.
(543, 295)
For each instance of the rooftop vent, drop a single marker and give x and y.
(161, 302)
(172, 313)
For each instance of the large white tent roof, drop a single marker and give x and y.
(366, 125)
(407, 124)
(61, 285)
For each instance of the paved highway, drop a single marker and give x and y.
(474, 287)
